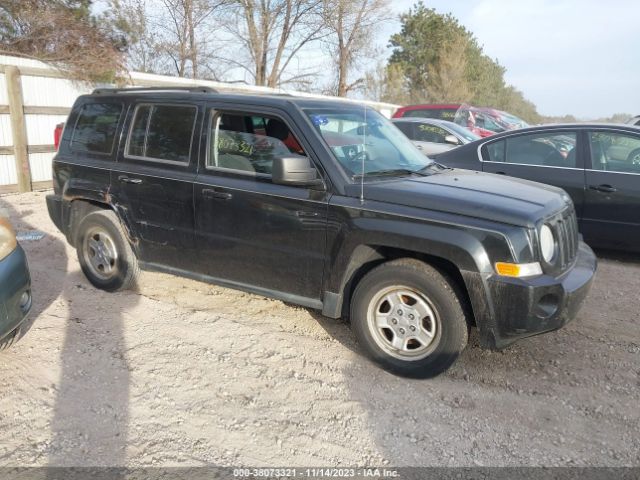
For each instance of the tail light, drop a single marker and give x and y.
(57, 134)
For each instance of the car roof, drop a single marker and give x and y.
(195, 94)
(564, 126)
(435, 121)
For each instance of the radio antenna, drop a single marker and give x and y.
(363, 155)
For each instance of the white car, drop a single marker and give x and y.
(433, 136)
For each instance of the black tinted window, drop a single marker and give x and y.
(163, 132)
(546, 149)
(95, 129)
(494, 152)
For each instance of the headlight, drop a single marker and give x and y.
(547, 243)
(7, 238)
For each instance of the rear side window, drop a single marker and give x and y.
(494, 152)
(162, 132)
(95, 129)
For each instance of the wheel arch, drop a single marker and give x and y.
(366, 257)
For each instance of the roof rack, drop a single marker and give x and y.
(196, 89)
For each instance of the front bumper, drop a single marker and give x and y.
(522, 307)
(15, 281)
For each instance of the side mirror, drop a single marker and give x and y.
(294, 170)
(451, 139)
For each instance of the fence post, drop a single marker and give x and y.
(18, 127)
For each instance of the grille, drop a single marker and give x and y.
(565, 229)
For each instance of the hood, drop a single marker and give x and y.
(474, 194)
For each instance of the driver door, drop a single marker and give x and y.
(251, 232)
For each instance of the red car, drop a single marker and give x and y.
(481, 121)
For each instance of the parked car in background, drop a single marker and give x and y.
(433, 136)
(482, 121)
(634, 120)
(487, 121)
(15, 287)
(597, 164)
(439, 112)
(319, 203)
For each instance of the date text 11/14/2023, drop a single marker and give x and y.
(315, 472)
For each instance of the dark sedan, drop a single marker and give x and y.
(597, 164)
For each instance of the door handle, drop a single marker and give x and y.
(125, 179)
(214, 194)
(500, 173)
(603, 188)
(303, 214)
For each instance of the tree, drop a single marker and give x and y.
(64, 34)
(350, 25)
(271, 33)
(386, 83)
(443, 62)
(169, 36)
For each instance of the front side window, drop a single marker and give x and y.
(365, 142)
(95, 129)
(249, 143)
(162, 132)
(615, 152)
(430, 133)
(542, 149)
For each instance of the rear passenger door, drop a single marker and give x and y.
(553, 157)
(251, 232)
(152, 182)
(612, 197)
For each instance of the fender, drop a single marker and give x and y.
(355, 241)
(79, 191)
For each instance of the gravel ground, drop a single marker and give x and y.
(185, 373)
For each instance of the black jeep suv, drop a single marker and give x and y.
(324, 204)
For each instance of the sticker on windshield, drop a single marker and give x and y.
(319, 120)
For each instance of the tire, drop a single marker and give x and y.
(427, 329)
(104, 253)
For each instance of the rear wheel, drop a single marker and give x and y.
(409, 318)
(104, 253)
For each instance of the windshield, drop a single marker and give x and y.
(365, 142)
(468, 135)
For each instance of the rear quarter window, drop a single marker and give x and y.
(95, 128)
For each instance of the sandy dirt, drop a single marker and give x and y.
(186, 373)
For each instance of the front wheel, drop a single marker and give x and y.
(409, 319)
(104, 253)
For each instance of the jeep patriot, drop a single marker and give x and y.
(320, 203)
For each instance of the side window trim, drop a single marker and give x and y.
(152, 106)
(75, 125)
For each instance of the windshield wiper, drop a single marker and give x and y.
(393, 171)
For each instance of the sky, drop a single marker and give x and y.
(579, 57)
